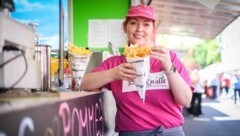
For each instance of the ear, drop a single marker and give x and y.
(154, 34)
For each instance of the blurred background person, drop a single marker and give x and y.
(207, 89)
(214, 84)
(236, 86)
(225, 84)
(195, 106)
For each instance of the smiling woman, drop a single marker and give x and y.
(46, 15)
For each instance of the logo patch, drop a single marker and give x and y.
(156, 81)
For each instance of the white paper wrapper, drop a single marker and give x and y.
(142, 66)
(79, 66)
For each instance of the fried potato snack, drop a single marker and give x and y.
(73, 49)
(136, 51)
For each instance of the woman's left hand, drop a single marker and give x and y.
(163, 55)
(180, 89)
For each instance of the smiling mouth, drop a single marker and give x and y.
(138, 36)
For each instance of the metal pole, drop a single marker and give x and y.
(61, 43)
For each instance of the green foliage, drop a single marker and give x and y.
(207, 52)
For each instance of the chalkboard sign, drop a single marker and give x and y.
(82, 116)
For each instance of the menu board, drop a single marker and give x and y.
(101, 32)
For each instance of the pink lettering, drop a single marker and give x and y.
(76, 113)
(65, 117)
(89, 120)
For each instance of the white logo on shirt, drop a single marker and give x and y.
(155, 81)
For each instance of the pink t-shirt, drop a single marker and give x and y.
(159, 108)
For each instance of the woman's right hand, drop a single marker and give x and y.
(124, 71)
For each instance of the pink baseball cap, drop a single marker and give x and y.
(142, 11)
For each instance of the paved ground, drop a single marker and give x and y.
(221, 118)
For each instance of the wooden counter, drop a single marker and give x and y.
(57, 113)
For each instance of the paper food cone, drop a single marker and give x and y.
(79, 65)
(142, 66)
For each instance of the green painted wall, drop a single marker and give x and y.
(83, 10)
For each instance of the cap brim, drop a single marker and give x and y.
(139, 15)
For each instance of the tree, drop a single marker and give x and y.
(207, 52)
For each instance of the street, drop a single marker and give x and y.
(220, 118)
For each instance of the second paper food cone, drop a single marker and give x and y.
(79, 66)
(79, 58)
